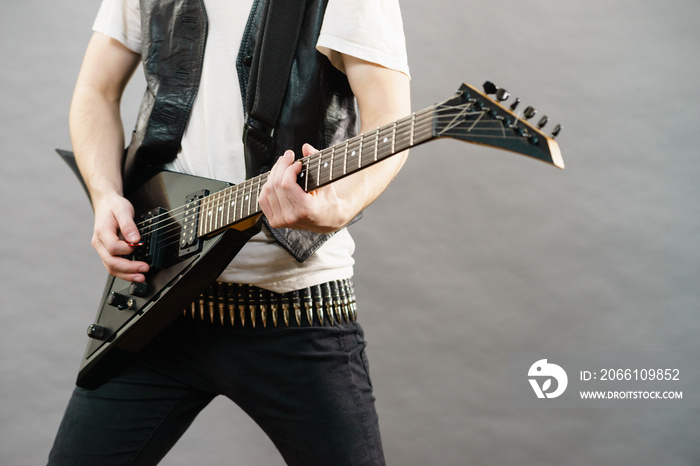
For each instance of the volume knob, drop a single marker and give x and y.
(120, 301)
(96, 331)
(138, 289)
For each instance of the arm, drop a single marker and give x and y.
(383, 95)
(98, 141)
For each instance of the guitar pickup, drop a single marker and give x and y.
(189, 237)
(151, 250)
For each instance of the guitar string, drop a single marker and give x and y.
(305, 160)
(422, 129)
(382, 153)
(173, 224)
(241, 187)
(172, 221)
(353, 142)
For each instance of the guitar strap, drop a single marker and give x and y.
(269, 77)
(267, 85)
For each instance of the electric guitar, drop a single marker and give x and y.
(192, 227)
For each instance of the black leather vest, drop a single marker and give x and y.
(318, 108)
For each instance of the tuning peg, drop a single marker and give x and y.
(556, 131)
(529, 112)
(502, 94)
(543, 121)
(490, 88)
(515, 104)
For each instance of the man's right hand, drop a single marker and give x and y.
(114, 229)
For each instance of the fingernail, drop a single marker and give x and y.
(133, 237)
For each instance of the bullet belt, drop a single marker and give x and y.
(247, 305)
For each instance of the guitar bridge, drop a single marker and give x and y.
(150, 227)
(189, 237)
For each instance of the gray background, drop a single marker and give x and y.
(471, 255)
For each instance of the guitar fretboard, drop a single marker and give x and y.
(231, 205)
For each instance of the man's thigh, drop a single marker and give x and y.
(137, 416)
(308, 389)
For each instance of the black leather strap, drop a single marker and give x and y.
(267, 85)
(270, 70)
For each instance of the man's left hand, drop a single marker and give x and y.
(287, 205)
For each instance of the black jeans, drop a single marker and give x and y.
(307, 388)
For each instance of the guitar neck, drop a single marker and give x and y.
(231, 205)
(468, 116)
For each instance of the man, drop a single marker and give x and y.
(307, 386)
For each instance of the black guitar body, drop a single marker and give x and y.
(131, 315)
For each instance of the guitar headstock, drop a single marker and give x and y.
(473, 117)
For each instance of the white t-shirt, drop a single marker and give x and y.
(211, 145)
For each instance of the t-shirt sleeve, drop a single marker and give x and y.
(371, 30)
(120, 20)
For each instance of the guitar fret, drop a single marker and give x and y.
(329, 166)
(355, 150)
(232, 204)
(228, 205)
(321, 168)
(258, 187)
(208, 215)
(253, 196)
(220, 210)
(318, 169)
(216, 210)
(205, 215)
(248, 197)
(330, 170)
(399, 137)
(376, 144)
(338, 167)
(200, 226)
(409, 134)
(241, 201)
(345, 158)
(212, 212)
(304, 178)
(305, 173)
(200, 223)
(360, 151)
(413, 127)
